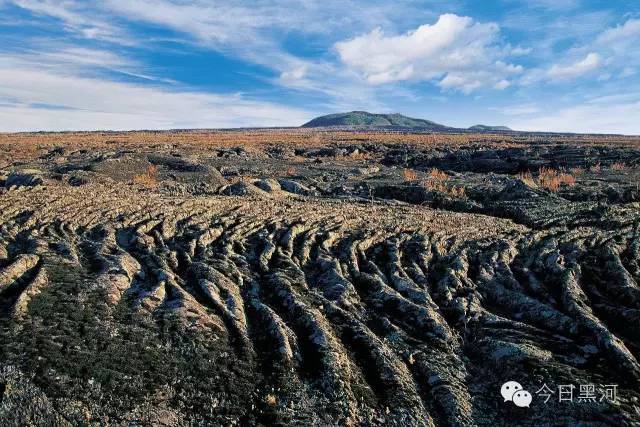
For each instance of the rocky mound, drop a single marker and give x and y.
(365, 119)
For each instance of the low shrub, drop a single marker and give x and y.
(149, 179)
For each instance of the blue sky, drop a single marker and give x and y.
(559, 65)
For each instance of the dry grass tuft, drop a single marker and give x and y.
(411, 360)
(435, 186)
(527, 178)
(149, 179)
(577, 171)
(595, 168)
(619, 166)
(360, 155)
(271, 400)
(438, 175)
(458, 192)
(438, 182)
(567, 178)
(409, 174)
(548, 178)
(292, 171)
(552, 179)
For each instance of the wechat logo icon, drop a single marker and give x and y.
(512, 391)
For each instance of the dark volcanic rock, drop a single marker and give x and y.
(295, 187)
(144, 289)
(268, 185)
(242, 188)
(24, 178)
(511, 160)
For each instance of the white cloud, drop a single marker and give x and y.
(79, 60)
(613, 53)
(236, 28)
(370, 71)
(502, 84)
(60, 97)
(456, 52)
(56, 9)
(77, 17)
(520, 51)
(251, 31)
(215, 24)
(627, 72)
(621, 46)
(625, 33)
(600, 115)
(584, 66)
(295, 75)
(50, 54)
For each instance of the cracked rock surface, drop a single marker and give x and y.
(260, 286)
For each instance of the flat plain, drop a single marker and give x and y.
(317, 277)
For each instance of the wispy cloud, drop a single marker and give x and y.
(53, 92)
(77, 17)
(614, 51)
(584, 66)
(621, 36)
(252, 32)
(59, 56)
(599, 115)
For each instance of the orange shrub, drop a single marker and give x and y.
(527, 178)
(551, 184)
(149, 179)
(409, 174)
(360, 155)
(458, 192)
(618, 166)
(546, 172)
(566, 178)
(435, 186)
(577, 171)
(438, 175)
(548, 178)
(292, 170)
(441, 187)
(551, 179)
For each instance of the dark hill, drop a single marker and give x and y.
(486, 128)
(363, 118)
